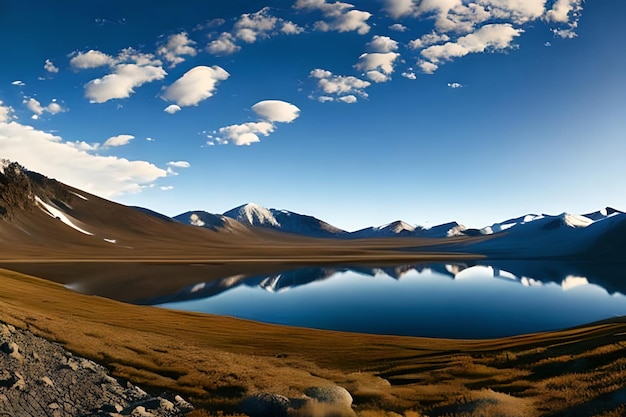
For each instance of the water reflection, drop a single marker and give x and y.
(459, 300)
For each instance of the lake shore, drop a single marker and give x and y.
(216, 361)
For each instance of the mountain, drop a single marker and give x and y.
(397, 228)
(555, 236)
(284, 221)
(215, 222)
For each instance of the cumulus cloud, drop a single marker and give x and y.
(409, 74)
(18, 83)
(562, 9)
(122, 83)
(197, 84)
(340, 17)
(251, 26)
(398, 27)
(119, 140)
(106, 176)
(382, 44)
(35, 106)
(178, 164)
(377, 66)
(177, 45)
(6, 113)
(348, 99)
(276, 111)
(428, 39)
(244, 134)
(290, 28)
(427, 67)
(91, 59)
(224, 45)
(167, 187)
(172, 108)
(337, 86)
(489, 37)
(271, 111)
(50, 67)
(455, 85)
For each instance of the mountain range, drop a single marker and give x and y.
(39, 213)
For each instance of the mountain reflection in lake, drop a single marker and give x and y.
(432, 300)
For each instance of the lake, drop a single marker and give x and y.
(471, 300)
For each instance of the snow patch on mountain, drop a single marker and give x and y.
(55, 212)
(253, 215)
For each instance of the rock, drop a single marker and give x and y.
(6, 348)
(265, 405)
(331, 394)
(49, 381)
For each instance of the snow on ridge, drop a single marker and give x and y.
(572, 281)
(79, 196)
(56, 213)
(574, 220)
(253, 214)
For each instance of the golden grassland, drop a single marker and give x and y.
(215, 361)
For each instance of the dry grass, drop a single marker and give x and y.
(215, 361)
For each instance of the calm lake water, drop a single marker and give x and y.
(435, 300)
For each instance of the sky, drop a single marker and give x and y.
(356, 113)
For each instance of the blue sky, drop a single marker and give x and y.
(359, 114)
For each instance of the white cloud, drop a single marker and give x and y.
(489, 37)
(340, 16)
(119, 140)
(224, 45)
(105, 176)
(348, 99)
(276, 111)
(398, 27)
(518, 11)
(565, 33)
(251, 26)
(172, 108)
(562, 9)
(35, 106)
(91, 59)
(18, 83)
(463, 16)
(410, 75)
(427, 67)
(455, 85)
(178, 164)
(122, 83)
(290, 28)
(272, 111)
(197, 84)
(50, 67)
(176, 46)
(428, 39)
(338, 85)
(244, 134)
(6, 113)
(377, 66)
(167, 187)
(399, 8)
(382, 44)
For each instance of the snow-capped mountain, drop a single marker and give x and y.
(284, 221)
(397, 228)
(549, 236)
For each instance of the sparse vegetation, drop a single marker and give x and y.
(216, 361)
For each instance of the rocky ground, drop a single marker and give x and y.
(40, 378)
